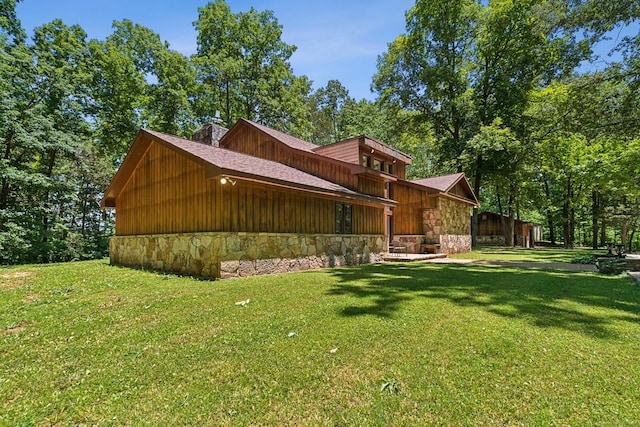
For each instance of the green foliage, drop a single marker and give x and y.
(244, 71)
(611, 266)
(390, 385)
(584, 259)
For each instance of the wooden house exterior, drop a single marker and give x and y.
(256, 201)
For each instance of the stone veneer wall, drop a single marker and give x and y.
(449, 224)
(243, 254)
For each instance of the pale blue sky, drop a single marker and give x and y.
(335, 39)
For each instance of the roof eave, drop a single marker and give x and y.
(216, 173)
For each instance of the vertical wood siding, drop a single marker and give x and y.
(348, 152)
(407, 216)
(168, 193)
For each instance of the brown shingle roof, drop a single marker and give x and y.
(219, 161)
(446, 183)
(441, 183)
(291, 141)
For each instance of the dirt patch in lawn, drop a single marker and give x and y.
(14, 280)
(15, 329)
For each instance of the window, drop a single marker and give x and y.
(389, 168)
(343, 219)
(366, 161)
(377, 165)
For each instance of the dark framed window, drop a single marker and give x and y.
(344, 219)
(366, 161)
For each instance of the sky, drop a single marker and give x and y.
(335, 39)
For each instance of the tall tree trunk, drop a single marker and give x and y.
(228, 105)
(603, 231)
(45, 213)
(549, 214)
(595, 212)
(572, 224)
(624, 228)
(508, 222)
(5, 188)
(566, 216)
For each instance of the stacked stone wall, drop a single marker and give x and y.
(449, 225)
(456, 217)
(243, 254)
(455, 243)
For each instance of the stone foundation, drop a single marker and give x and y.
(455, 243)
(243, 254)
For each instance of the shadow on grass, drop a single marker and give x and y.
(583, 302)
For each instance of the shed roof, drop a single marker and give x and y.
(222, 162)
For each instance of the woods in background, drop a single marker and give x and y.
(492, 89)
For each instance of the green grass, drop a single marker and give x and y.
(395, 344)
(499, 253)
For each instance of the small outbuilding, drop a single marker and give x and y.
(491, 228)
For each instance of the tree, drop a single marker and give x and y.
(429, 70)
(464, 65)
(327, 105)
(244, 71)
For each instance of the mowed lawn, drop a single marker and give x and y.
(393, 344)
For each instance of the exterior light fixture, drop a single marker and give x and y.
(226, 179)
(372, 151)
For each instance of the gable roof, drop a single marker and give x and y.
(441, 183)
(446, 183)
(291, 141)
(222, 162)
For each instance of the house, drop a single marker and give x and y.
(491, 230)
(253, 200)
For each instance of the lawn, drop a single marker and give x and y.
(498, 253)
(394, 344)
